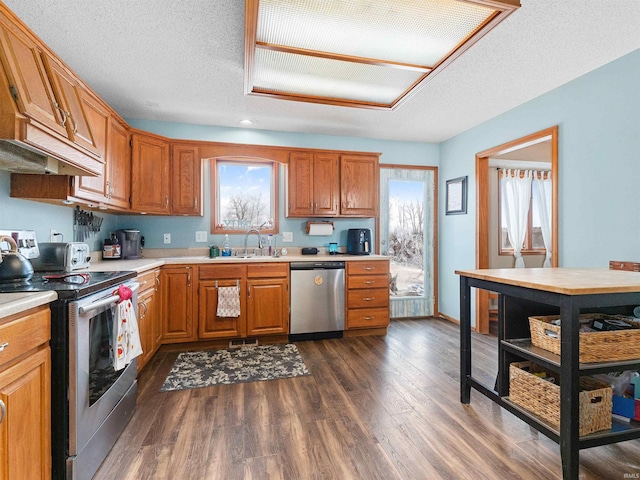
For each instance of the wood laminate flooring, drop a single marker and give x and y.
(373, 408)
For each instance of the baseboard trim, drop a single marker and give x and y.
(453, 320)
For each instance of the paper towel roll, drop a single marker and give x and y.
(320, 228)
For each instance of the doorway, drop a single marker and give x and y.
(483, 200)
(407, 233)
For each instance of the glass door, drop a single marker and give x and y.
(407, 235)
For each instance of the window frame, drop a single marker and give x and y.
(216, 224)
(528, 239)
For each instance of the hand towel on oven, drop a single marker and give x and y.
(126, 337)
(228, 302)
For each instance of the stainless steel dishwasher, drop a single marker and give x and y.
(317, 300)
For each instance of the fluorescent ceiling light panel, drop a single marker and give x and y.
(365, 53)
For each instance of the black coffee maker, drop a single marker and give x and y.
(131, 243)
(359, 241)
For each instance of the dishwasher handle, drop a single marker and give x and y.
(317, 265)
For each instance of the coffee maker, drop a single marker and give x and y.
(131, 243)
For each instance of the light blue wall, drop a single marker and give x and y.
(599, 172)
(183, 229)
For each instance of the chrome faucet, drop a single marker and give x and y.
(246, 238)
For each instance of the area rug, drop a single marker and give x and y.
(225, 367)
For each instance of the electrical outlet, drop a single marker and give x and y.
(167, 238)
(287, 237)
(201, 236)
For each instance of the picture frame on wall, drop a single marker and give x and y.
(456, 196)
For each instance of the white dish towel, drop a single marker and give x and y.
(126, 342)
(228, 302)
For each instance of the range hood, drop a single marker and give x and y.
(20, 158)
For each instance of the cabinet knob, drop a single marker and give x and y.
(3, 346)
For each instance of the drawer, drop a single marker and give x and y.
(368, 267)
(216, 272)
(367, 281)
(367, 318)
(629, 266)
(375, 297)
(147, 280)
(267, 270)
(24, 332)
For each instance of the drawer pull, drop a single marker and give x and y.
(369, 318)
(3, 411)
(368, 268)
(368, 299)
(3, 346)
(369, 282)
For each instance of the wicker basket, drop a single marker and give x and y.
(594, 346)
(542, 397)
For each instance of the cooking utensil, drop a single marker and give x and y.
(13, 266)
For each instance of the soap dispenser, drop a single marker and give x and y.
(226, 249)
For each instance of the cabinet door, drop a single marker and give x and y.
(177, 304)
(118, 165)
(267, 306)
(359, 185)
(156, 312)
(72, 99)
(25, 430)
(28, 79)
(210, 325)
(145, 327)
(326, 184)
(300, 185)
(95, 188)
(186, 177)
(149, 174)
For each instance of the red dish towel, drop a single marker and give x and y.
(126, 336)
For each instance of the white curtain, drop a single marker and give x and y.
(543, 189)
(515, 204)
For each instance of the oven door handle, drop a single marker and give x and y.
(99, 304)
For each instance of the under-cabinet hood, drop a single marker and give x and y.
(20, 158)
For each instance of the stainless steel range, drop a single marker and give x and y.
(91, 401)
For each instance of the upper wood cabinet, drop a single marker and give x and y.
(118, 181)
(359, 185)
(150, 185)
(313, 184)
(50, 98)
(186, 180)
(327, 184)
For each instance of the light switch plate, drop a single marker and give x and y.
(201, 236)
(287, 237)
(167, 238)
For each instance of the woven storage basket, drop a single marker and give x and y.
(542, 397)
(594, 346)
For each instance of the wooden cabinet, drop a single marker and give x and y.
(211, 278)
(367, 294)
(25, 395)
(329, 184)
(176, 286)
(359, 185)
(149, 319)
(313, 184)
(118, 182)
(150, 186)
(267, 299)
(49, 96)
(186, 180)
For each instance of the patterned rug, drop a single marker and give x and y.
(225, 367)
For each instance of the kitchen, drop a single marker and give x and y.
(45, 217)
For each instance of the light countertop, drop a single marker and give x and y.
(569, 281)
(12, 303)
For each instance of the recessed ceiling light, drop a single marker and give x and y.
(246, 122)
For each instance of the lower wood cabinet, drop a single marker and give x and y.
(210, 325)
(367, 294)
(25, 395)
(149, 318)
(267, 299)
(177, 287)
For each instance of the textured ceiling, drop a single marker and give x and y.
(183, 60)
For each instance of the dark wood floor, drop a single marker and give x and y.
(373, 408)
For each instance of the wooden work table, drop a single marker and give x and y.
(552, 291)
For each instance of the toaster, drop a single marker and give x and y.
(62, 257)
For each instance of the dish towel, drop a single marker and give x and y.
(228, 302)
(125, 330)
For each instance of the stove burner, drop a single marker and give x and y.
(76, 278)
